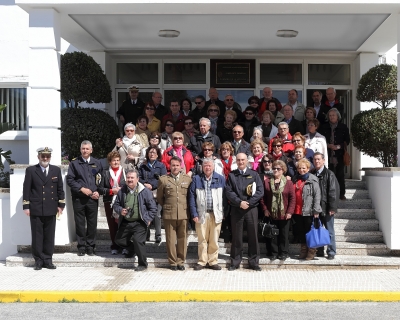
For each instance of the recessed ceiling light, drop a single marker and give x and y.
(287, 33)
(168, 33)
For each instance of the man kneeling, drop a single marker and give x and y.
(136, 208)
(205, 199)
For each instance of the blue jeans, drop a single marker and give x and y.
(328, 221)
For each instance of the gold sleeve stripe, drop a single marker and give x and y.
(61, 201)
(25, 202)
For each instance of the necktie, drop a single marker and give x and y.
(45, 173)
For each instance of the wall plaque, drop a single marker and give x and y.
(232, 73)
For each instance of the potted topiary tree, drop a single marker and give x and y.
(374, 131)
(82, 79)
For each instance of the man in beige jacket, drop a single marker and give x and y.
(172, 196)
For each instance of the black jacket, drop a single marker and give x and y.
(105, 186)
(131, 112)
(151, 175)
(224, 134)
(197, 114)
(248, 132)
(243, 148)
(196, 143)
(341, 135)
(296, 126)
(330, 191)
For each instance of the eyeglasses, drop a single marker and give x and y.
(129, 130)
(158, 138)
(222, 150)
(283, 128)
(277, 169)
(298, 140)
(228, 99)
(267, 161)
(237, 131)
(187, 123)
(208, 150)
(45, 156)
(198, 102)
(249, 113)
(253, 102)
(213, 110)
(147, 108)
(169, 125)
(177, 138)
(277, 145)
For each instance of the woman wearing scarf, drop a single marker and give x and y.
(277, 151)
(338, 138)
(189, 131)
(226, 159)
(130, 147)
(269, 130)
(308, 206)
(265, 170)
(149, 173)
(257, 152)
(278, 204)
(213, 114)
(179, 150)
(113, 178)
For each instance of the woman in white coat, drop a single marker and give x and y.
(314, 140)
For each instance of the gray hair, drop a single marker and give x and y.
(339, 117)
(283, 122)
(201, 97)
(258, 129)
(130, 125)
(208, 160)
(332, 89)
(319, 154)
(287, 105)
(132, 171)
(206, 120)
(86, 142)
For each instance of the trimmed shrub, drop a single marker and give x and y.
(374, 133)
(97, 126)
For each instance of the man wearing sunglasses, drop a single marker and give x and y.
(199, 112)
(230, 104)
(43, 199)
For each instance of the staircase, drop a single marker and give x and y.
(358, 239)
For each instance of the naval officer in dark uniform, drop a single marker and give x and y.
(43, 199)
(84, 176)
(131, 108)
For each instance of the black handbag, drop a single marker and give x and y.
(267, 229)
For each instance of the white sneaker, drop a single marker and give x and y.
(114, 251)
(124, 251)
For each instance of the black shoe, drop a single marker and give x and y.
(129, 255)
(282, 257)
(140, 268)
(198, 267)
(215, 267)
(255, 268)
(90, 251)
(331, 257)
(158, 239)
(49, 266)
(38, 266)
(174, 268)
(181, 267)
(320, 254)
(81, 252)
(273, 258)
(232, 268)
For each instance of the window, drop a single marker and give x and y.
(182, 94)
(184, 73)
(274, 73)
(137, 73)
(16, 111)
(282, 95)
(329, 74)
(240, 96)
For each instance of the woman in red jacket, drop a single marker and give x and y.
(278, 204)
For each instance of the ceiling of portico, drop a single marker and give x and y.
(124, 27)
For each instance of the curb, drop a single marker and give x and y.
(196, 296)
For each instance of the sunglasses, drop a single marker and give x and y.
(237, 131)
(267, 161)
(207, 149)
(158, 138)
(177, 138)
(277, 169)
(277, 145)
(213, 110)
(169, 125)
(249, 113)
(129, 130)
(222, 150)
(188, 123)
(198, 102)
(228, 99)
(149, 108)
(45, 156)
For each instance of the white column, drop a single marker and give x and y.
(398, 88)
(44, 83)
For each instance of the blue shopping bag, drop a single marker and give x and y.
(316, 238)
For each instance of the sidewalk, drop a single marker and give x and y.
(90, 284)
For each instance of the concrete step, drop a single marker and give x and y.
(355, 204)
(355, 184)
(355, 214)
(357, 194)
(159, 260)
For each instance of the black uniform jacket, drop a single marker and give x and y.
(43, 194)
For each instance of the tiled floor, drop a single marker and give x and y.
(159, 279)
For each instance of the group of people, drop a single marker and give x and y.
(267, 165)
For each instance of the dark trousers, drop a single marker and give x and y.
(85, 212)
(43, 229)
(303, 225)
(329, 223)
(279, 245)
(112, 225)
(238, 216)
(135, 231)
(339, 173)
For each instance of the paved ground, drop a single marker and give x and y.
(160, 284)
